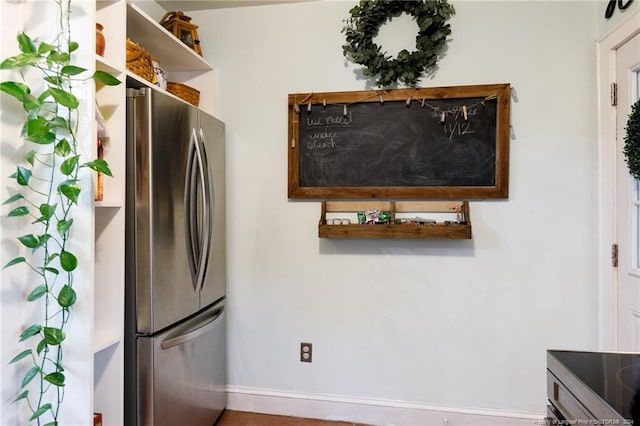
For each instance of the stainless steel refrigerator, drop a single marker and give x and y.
(175, 327)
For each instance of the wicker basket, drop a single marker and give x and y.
(139, 61)
(184, 92)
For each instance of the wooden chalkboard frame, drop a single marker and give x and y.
(499, 93)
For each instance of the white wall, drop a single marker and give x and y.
(444, 323)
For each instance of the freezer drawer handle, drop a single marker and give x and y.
(179, 340)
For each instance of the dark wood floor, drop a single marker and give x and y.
(239, 418)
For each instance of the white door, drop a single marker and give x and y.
(627, 203)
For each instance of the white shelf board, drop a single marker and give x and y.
(107, 65)
(103, 342)
(172, 54)
(114, 204)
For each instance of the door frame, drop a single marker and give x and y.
(607, 227)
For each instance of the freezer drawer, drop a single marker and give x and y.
(182, 372)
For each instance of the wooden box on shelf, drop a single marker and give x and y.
(401, 224)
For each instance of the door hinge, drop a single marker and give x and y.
(614, 94)
(614, 255)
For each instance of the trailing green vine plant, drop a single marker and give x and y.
(48, 187)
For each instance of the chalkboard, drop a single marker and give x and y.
(447, 143)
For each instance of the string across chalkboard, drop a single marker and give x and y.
(404, 143)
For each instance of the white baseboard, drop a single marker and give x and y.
(369, 411)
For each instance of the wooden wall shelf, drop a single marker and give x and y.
(459, 228)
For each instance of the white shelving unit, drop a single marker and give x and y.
(182, 65)
(108, 336)
(180, 62)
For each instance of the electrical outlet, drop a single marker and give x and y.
(306, 352)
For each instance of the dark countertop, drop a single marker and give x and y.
(613, 376)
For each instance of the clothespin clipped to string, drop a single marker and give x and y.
(296, 108)
(409, 101)
(324, 103)
(344, 110)
(443, 117)
(422, 104)
(309, 107)
(488, 98)
(464, 112)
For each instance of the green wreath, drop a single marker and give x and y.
(365, 22)
(631, 148)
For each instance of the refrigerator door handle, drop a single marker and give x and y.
(194, 334)
(205, 231)
(209, 199)
(190, 211)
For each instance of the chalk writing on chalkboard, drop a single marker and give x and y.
(406, 143)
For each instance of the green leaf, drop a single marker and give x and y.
(64, 226)
(53, 336)
(30, 332)
(44, 238)
(45, 48)
(44, 95)
(25, 44)
(71, 191)
(22, 176)
(56, 378)
(38, 131)
(67, 296)
(37, 293)
(100, 166)
(69, 165)
(64, 98)
(73, 46)
(31, 157)
(60, 122)
(21, 355)
(47, 211)
(58, 57)
(72, 70)
(14, 261)
(51, 270)
(33, 372)
(68, 261)
(41, 346)
(40, 411)
(16, 89)
(30, 241)
(106, 78)
(63, 148)
(13, 198)
(19, 211)
(18, 61)
(30, 102)
(23, 395)
(54, 79)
